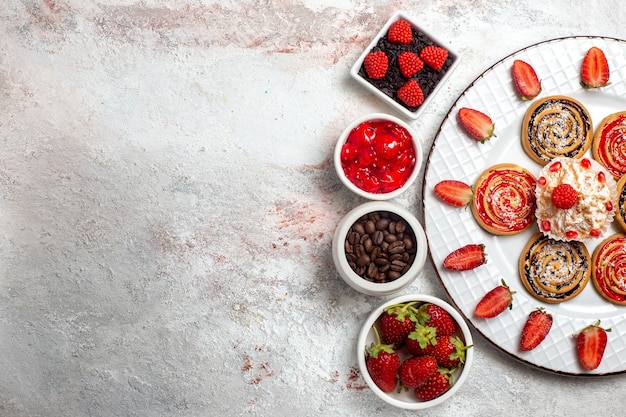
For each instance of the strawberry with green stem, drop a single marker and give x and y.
(454, 192)
(396, 322)
(449, 351)
(495, 302)
(590, 345)
(536, 328)
(466, 257)
(594, 72)
(526, 80)
(382, 363)
(437, 385)
(477, 124)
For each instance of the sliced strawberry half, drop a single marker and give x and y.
(590, 344)
(456, 193)
(594, 72)
(536, 328)
(465, 258)
(478, 124)
(495, 302)
(526, 80)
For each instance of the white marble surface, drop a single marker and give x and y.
(168, 202)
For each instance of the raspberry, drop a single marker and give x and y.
(411, 93)
(564, 196)
(434, 56)
(409, 64)
(376, 64)
(400, 32)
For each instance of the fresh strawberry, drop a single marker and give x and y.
(535, 329)
(400, 32)
(416, 370)
(564, 196)
(526, 80)
(432, 315)
(466, 257)
(382, 363)
(590, 344)
(478, 124)
(436, 386)
(396, 322)
(409, 64)
(449, 351)
(422, 340)
(495, 302)
(411, 93)
(594, 72)
(376, 64)
(454, 192)
(434, 56)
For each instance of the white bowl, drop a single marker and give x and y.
(414, 114)
(406, 399)
(352, 278)
(353, 187)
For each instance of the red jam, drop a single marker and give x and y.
(378, 156)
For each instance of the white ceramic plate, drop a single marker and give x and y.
(455, 156)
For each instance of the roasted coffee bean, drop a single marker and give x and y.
(370, 227)
(380, 246)
(396, 247)
(358, 228)
(378, 237)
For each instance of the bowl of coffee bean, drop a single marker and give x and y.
(379, 248)
(377, 156)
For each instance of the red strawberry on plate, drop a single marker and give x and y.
(478, 124)
(536, 328)
(449, 351)
(590, 345)
(382, 363)
(437, 385)
(495, 302)
(409, 64)
(396, 322)
(416, 370)
(466, 257)
(595, 71)
(526, 80)
(432, 315)
(376, 64)
(454, 192)
(400, 32)
(434, 56)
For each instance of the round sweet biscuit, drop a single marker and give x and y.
(554, 271)
(609, 144)
(504, 199)
(608, 268)
(620, 209)
(556, 126)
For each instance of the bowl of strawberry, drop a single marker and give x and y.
(377, 156)
(415, 351)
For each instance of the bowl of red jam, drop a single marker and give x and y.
(377, 156)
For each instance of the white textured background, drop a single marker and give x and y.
(167, 201)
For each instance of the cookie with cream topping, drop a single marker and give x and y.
(575, 199)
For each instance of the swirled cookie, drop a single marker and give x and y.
(591, 209)
(620, 209)
(556, 126)
(608, 271)
(504, 199)
(552, 270)
(609, 144)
